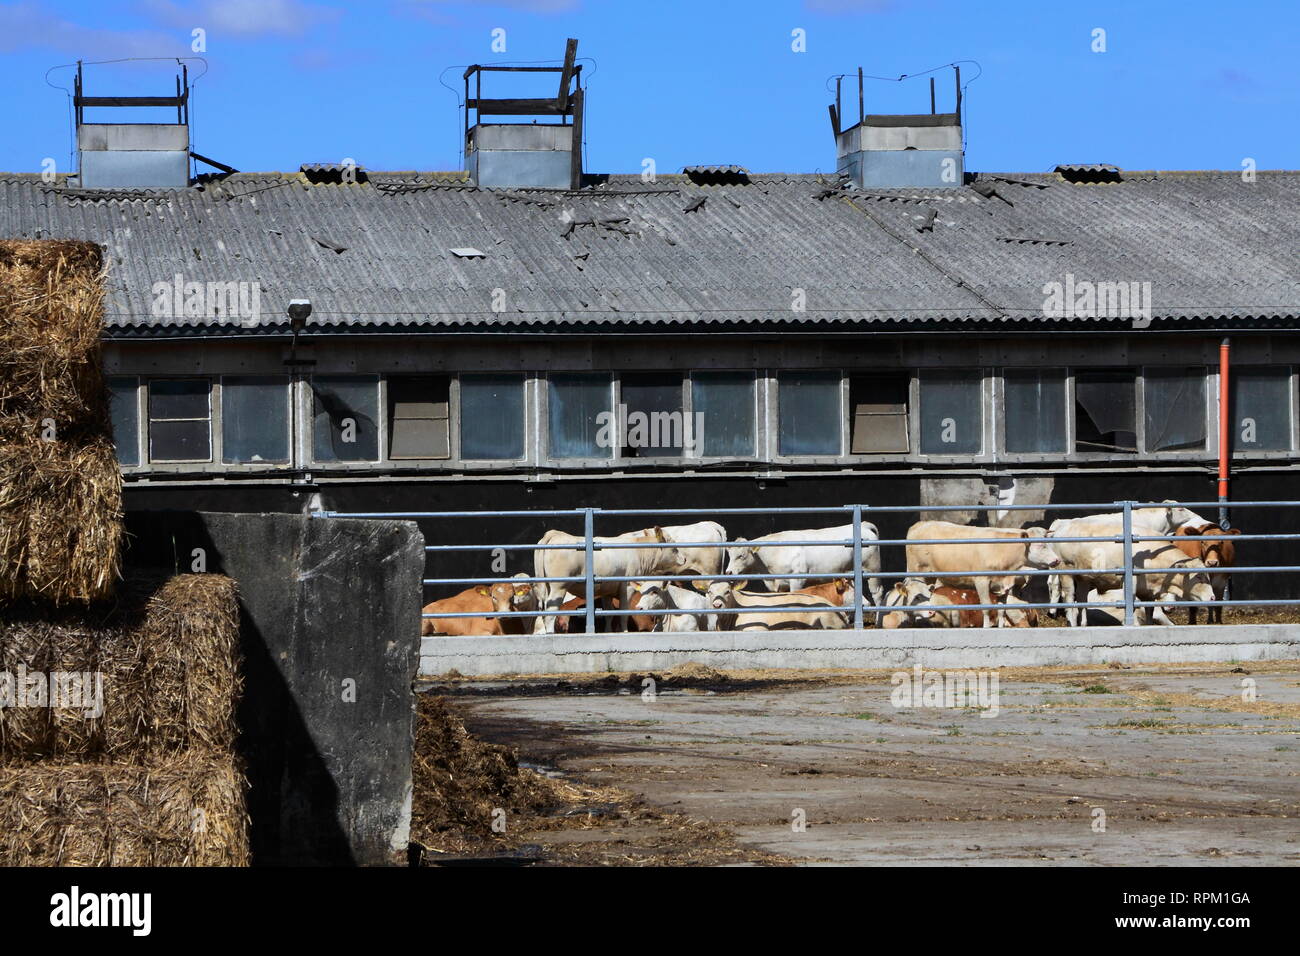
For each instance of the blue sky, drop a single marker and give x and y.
(1181, 85)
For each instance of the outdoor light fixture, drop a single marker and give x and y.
(299, 310)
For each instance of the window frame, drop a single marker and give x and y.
(142, 463)
(381, 424)
(1000, 410)
(774, 418)
(1293, 408)
(213, 420)
(987, 393)
(1208, 412)
(544, 424)
(759, 419)
(219, 457)
(528, 456)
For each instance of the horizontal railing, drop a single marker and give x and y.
(592, 584)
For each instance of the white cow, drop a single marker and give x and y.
(767, 555)
(901, 596)
(703, 560)
(663, 596)
(611, 562)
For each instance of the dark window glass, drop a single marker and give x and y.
(1261, 408)
(656, 422)
(1174, 407)
(1035, 403)
(126, 419)
(180, 424)
(952, 413)
(491, 417)
(878, 403)
(582, 420)
(419, 423)
(725, 400)
(1105, 411)
(809, 413)
(255, 419)
(346, 417)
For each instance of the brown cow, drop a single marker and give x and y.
(833, 592)
(958, 597)
(475, 599)
(1213, 554)
(576, 620)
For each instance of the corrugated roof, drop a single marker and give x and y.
(624, 252)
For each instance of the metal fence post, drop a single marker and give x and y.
(1128, 566)
(589, 525)
(857, 567)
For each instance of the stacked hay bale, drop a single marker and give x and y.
(117, 714)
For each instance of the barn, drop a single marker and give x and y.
(900, 331)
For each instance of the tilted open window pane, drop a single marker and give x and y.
(578, 430)
(809, 413)
(419, 421)
(952, 413)
(125, 412)
(1105, 411)
(345, 418)
(656, 422)
(1261, 409)
(1175, 409)
(491, 417)
(255, 419)
(878, 404)
(180, 420)
(724, 402)
(1035, 404)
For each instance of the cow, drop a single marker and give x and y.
(838, 592)
(958, 598)
(905, 593)
(1220, 553)
(723, 597)
(1098, 554)
(515, 596)
(477, 599)
(1110, 616)
(576, 617)
(662, 596)
(946, 560)
(702, 560)
(632, 563)
(767, 555)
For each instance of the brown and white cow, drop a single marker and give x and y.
(1221, 553)
(1005, 557)
(515, 596)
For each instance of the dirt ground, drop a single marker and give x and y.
(1142, 765)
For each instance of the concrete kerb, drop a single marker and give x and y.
(937, 648)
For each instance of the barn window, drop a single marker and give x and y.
(809, 413)
(1105, 411)
(582, 416)
(255, 419)
(656, 421)
(952, 412)
(1035, 410)
(345, 415)
(724, 402)
(180, 420)
(879, 407)
(1174, 409)
(419, 420)
(125, 411)
(1261, 409)
(491, 417)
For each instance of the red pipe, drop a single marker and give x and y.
(1225, 449)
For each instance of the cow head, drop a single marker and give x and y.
(1041, 554)
(720, 595)
(741, 558)
(908, 592)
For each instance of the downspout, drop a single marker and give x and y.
(1225, 449)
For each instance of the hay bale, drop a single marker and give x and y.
(189, 810)
(168, 664)
(60, 493)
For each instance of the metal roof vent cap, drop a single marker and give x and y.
(134, 155)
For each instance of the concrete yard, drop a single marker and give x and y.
(1184, 770)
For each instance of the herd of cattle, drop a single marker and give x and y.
(652, 570)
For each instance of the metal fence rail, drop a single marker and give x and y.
(588, 544)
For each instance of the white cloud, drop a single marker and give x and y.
(243, 17)
(25, 26)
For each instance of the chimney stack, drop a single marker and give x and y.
(523, 154)
(900, 151)
(134, 155)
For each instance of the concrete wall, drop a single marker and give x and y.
(867, 649)
(330, 630)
